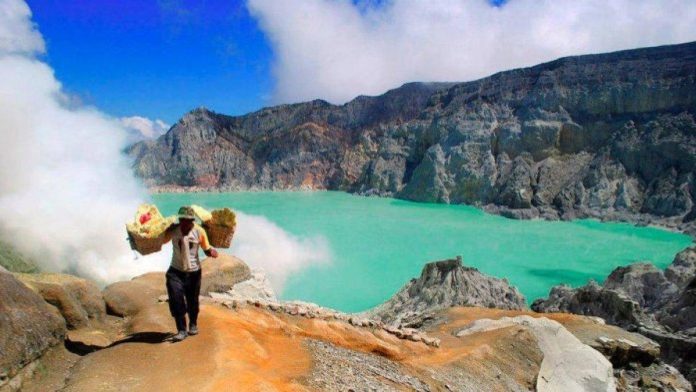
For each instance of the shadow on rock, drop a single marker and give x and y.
(82, 349)
(145, 337)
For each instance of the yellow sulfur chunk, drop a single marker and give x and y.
(224, 217)
(153, 227)
(201, 213)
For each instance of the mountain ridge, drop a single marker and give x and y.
(608, 135)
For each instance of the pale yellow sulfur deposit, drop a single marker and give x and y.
(149, 222)
(201, 213)
(224, 217)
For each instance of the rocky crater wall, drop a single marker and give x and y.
(610, 136)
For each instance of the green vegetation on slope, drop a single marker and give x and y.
(14, 261)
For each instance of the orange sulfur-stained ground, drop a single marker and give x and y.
(255, 349)
(251, 349)
(246, 350)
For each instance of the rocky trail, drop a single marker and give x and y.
(250, 340)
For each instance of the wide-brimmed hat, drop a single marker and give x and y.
(186, 212)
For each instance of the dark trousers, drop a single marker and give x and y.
(183, 289)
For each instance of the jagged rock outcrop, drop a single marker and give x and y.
(444, 284)
(257, 287)
(431, 301)
(636, 358)
(658, 304)
(637, 294)
(568, 364)
(610, 136)
(28, 328)
(656, 377)
(681, 271)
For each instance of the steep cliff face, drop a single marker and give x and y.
(312, 145)
(611, 135)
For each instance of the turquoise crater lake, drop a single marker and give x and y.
(378, 244)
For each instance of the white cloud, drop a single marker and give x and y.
(143, 128)
(17, 32)
(335, 50)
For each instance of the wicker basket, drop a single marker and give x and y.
(144, 245)
(219, 236)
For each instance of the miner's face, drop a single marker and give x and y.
(186, 225)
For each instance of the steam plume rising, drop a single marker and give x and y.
(66, 190)
(265, 245)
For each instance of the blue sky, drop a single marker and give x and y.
(162, 58)
(157, 59)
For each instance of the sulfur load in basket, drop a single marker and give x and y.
(201, 213)
(146, 232)
(220, 228)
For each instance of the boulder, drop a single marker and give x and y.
(592, 300)
(152, 319)
(676, 349)
(637, 359)
(683, 267)
(680, 315)
(28, 327)
(79, 300)
(222, 273)
(568, 364)
(127, 298)
(623, 351)
(88, 340)
(444, 284)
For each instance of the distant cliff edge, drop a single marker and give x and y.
(609, 135)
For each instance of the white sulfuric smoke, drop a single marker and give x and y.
(263, 244)
(142, 128)
(66, 189)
